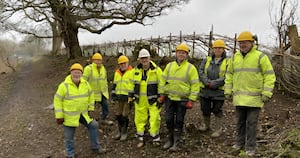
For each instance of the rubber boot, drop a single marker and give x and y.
(177, 137)
(218, 130)
(124, 128)
(169, 143)
(205, 127)
(119, 120)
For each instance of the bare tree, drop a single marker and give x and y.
(281, 18)
(91, 15)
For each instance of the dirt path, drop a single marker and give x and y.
(28, 130)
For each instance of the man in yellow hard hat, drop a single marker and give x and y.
(146, 80)
(212, 75)
(249, 82)
(180, 89)
(95, 73)
(72, 102)
(121, 88)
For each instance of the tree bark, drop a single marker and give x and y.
(57, 39)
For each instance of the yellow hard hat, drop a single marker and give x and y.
(245, 36)
(183, 47)
(97, 56)
(219, 44)
(76, 66)
(122, 59)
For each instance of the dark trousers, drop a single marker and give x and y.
(104, 106)
(247, 120)
(209, 106)
(175, 112)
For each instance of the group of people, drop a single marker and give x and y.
(247, 79)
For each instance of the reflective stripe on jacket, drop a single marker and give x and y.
(71, 101)
(181, 82)
(249, 77)
(153, 82)
(121, 83)
(97, 78)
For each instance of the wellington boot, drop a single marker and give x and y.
(218, 131)
(124, 128)
(118, 132)
(169, 143)
(177, 137)
(205, 127)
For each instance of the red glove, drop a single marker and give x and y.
(162, 99)
(189, 105)
(60, 121)
(209, 85)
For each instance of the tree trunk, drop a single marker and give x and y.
(70, 35)
(295, 40)
(57, 39)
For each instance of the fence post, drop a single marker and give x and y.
(180, 36)
(193, 49)
(170, 48)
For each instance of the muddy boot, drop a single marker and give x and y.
(177, 137)
(205, 127)
(141, 142)
(169, 143)
(124, 128)
(218, 130)
(119, 120)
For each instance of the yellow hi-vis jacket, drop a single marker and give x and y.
(181, 82)
(71, 101)
(153, 82)
(97, 77)
(121, 83)
(249, 77)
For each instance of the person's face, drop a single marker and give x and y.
(218, 51)
(76, 75)
(97, 62)
(145, 61)
(245, 46)
(123, 66)
(181, 55)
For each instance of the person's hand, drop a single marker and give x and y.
(130, 99)
(209, 85)
(265, 98)
(189, 105)
(60, 121)
(161, 99)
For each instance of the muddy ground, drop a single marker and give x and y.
(28, 128)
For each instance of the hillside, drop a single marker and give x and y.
(28, 128)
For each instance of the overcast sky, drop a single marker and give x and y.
(227, 16)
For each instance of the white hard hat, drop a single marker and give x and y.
(144, 53)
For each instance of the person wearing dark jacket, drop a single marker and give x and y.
(212, 75)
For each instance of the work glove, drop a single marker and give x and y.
(265, 98)
(228, 97)
(161, 99)
(60, 121)
(130, 102)
(189, 105)
(209, 85)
